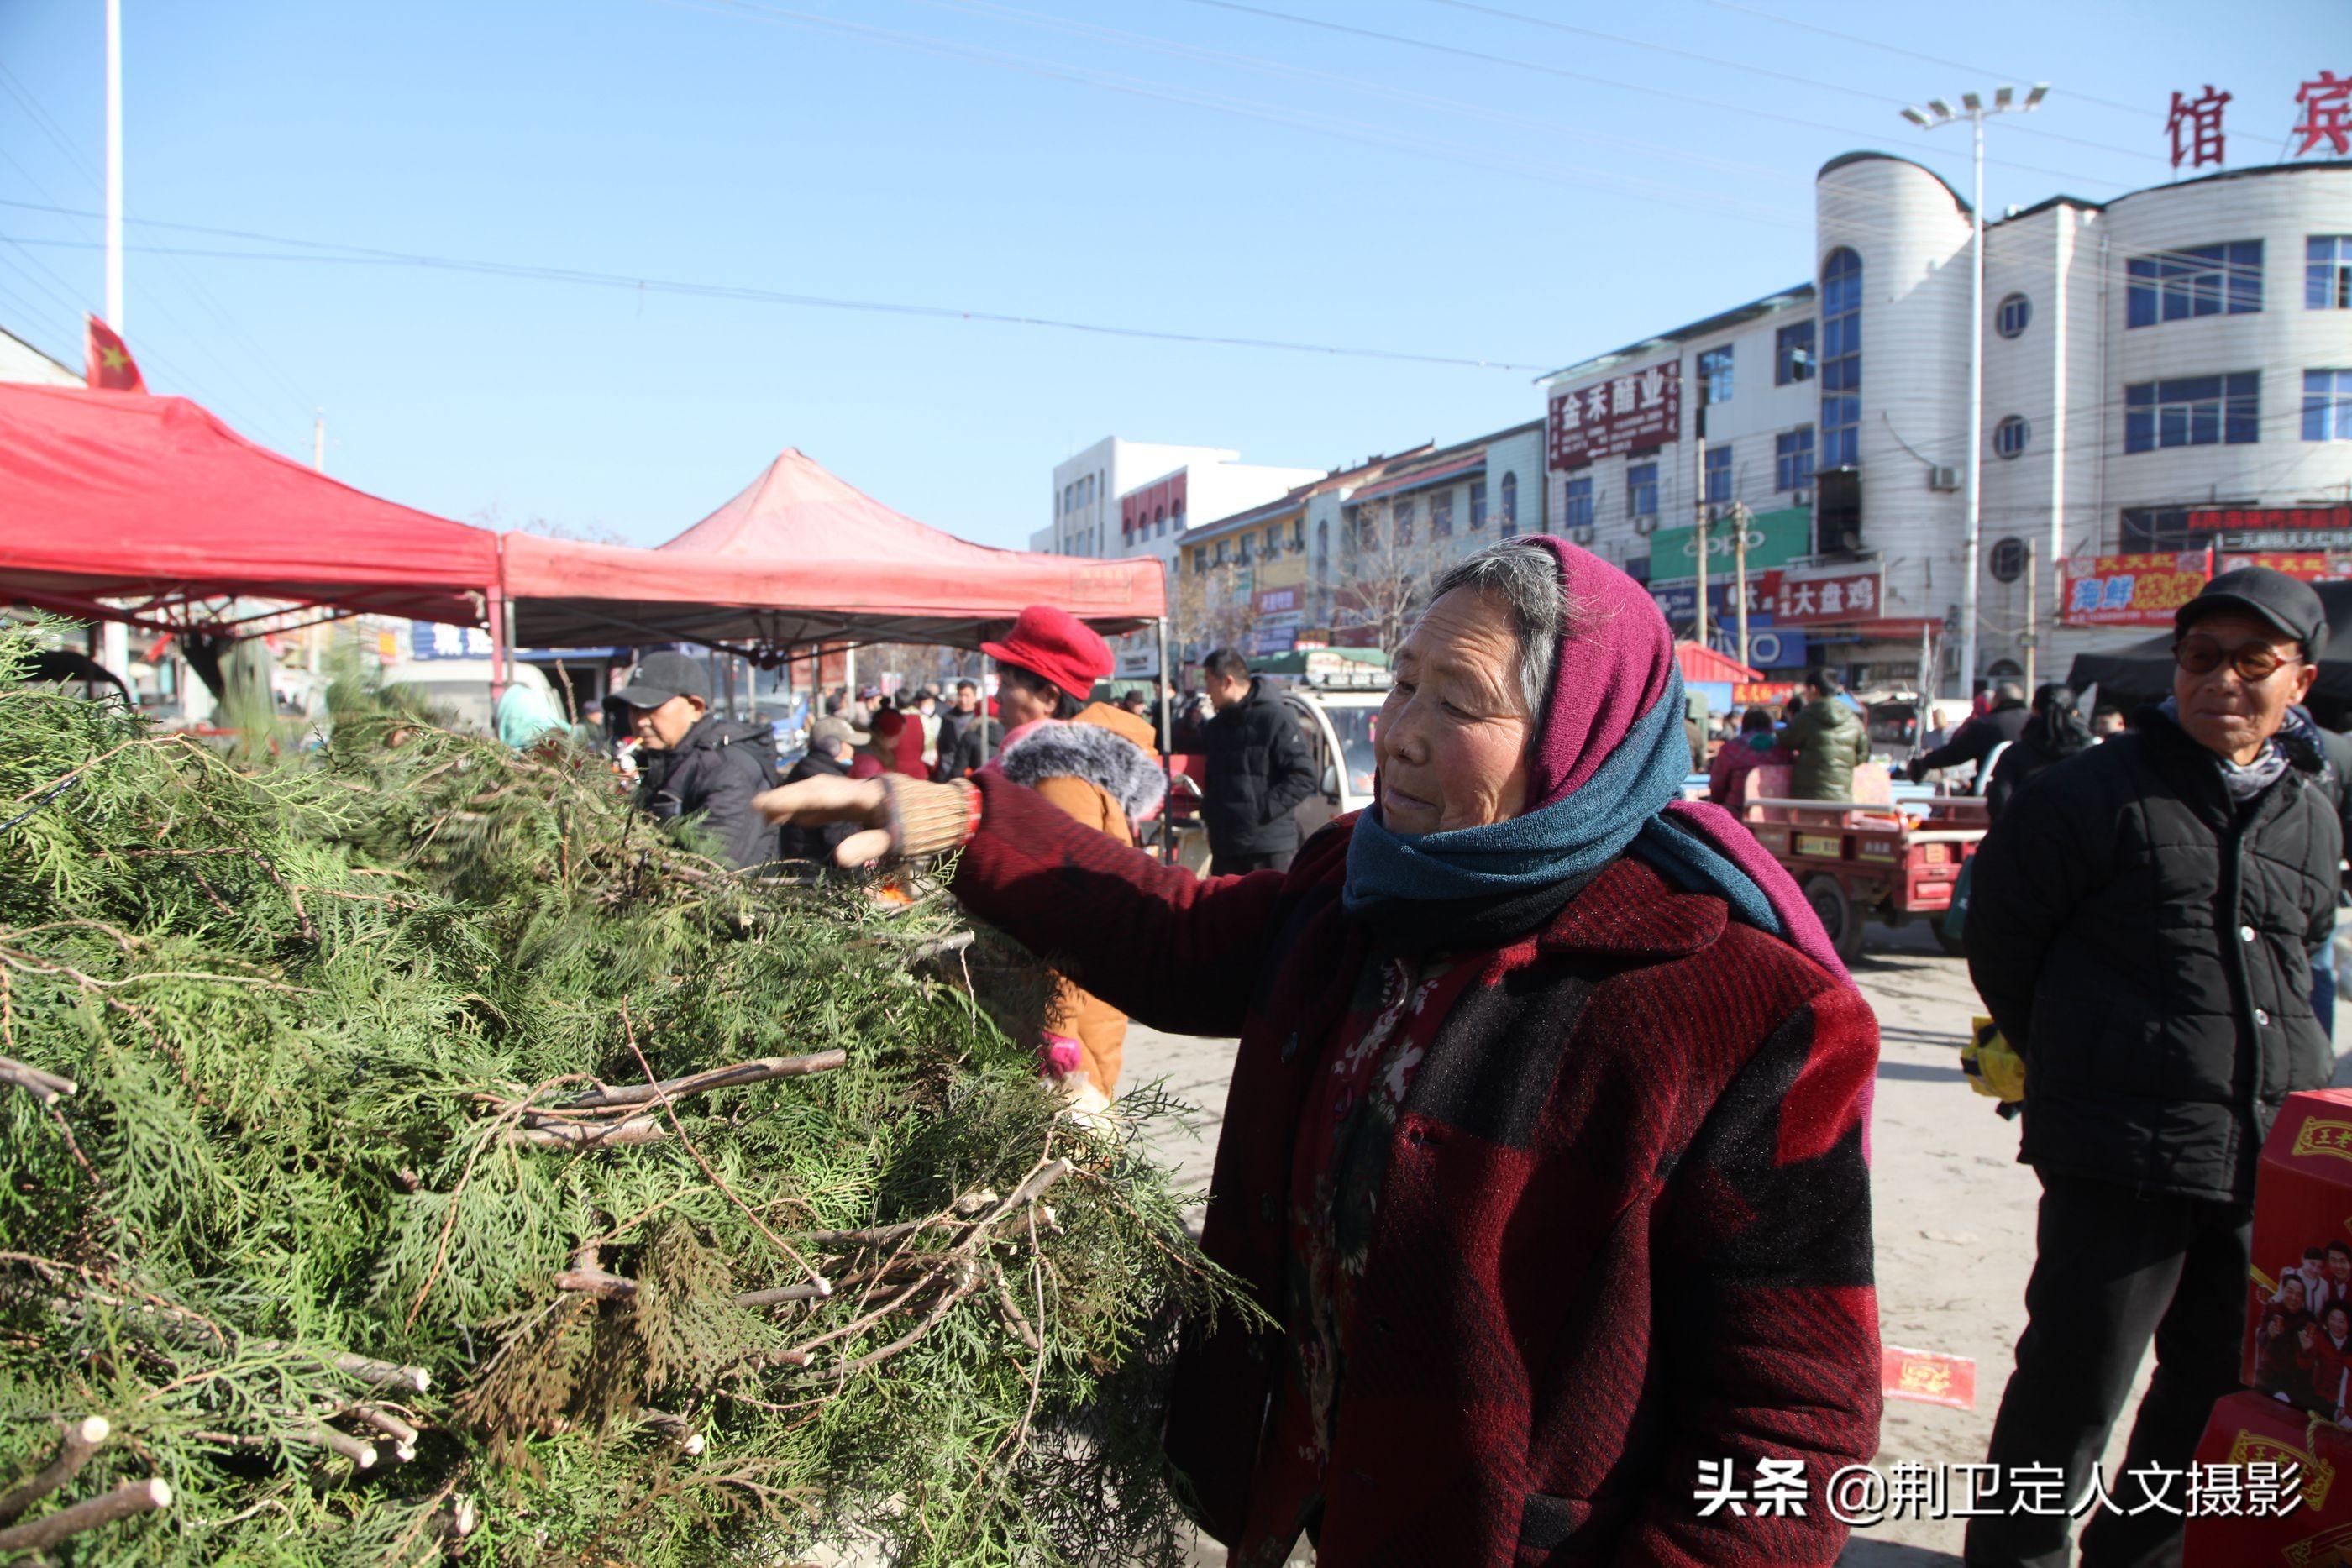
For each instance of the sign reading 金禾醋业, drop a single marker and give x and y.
(1640, 408)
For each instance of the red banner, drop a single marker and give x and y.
(1761, 694)
(1640, 408)
(1928, 1376)
(2239, 519)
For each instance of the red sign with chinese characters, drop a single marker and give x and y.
(1640, 408)
(1824, 596)
(2127, 589)
(2239, 519)
(1928, 1377)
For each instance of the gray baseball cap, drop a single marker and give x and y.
(661, 676)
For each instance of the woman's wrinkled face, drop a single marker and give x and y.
(1452, 743)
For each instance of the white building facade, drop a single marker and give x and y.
(2152, 365)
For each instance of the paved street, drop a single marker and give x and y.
(1953, 1217)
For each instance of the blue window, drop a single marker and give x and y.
(2016, 313)
(1576, 502)
(1511, 504)
(1402, 515)
(2327, 272)
(1441, 515)
(1841, 445)
(2010, 436)
(2193, 411)
(2205, 280)
(1792, 354)
(1477, 505)
(2327, 405)
(1792, 459)
(1642, 490)
(1715, 375)
(1718, 475)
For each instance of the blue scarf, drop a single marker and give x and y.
(1618, 809)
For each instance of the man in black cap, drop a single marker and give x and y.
(2141, 925)
(691, 763)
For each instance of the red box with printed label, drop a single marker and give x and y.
(2298, 1344)
(2258, 1429)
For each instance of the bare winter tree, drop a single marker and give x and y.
(1388, 556)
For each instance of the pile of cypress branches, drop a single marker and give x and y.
(408, 1154)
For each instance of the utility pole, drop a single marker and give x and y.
(1739, 572)
(1973, 110)
(1698, 455)
(114, 165)
(2032, 638)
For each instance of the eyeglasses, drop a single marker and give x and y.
(2253, 661)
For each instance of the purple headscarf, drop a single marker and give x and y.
(1617, 666)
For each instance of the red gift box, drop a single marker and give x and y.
(2249, 1429)
(2299, 1294)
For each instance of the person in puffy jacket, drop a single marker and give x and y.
(2140, 928)
(1999, 725)
(831, 753)
(2057, 731)
(1736, 758)
(695, 767)
(1827, 740)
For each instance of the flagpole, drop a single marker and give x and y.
(114, 164)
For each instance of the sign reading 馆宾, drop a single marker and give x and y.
(1640, 408)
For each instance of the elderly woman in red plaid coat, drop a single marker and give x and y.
(1545, 1146)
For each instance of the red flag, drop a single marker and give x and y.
(107, 362)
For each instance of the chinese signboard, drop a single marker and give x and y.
(1640, 408)
(1759, 694)
(2144, 590)
(1679, 601)
(2127, 589)
(2238, 519)
(1774, 538)
(1823, 596)
(2195, 126)
(2327, 102)
(1276, 600)
(430, 640)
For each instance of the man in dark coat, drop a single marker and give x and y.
(1974, 741)
(831, 743)
(1258, 771)
(2141, 927)
(693, 764)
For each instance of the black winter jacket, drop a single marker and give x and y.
(795, 843)
(715, 769)
(1973, 741)
(2144, 943)
(1258, 771)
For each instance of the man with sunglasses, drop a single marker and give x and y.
(2141, 926)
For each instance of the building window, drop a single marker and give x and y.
(1221, 552)
(2327, 272)
(1792, 459)
(2008, 562)
(1642, 490)
(1401, 517)
(1199, 561)
(1715, 376)
(2193, 411)
(1298, 535)
(2327, 405)
(2016, 313)
(1511, 505)
(1792, 354)
(1242, 550)
(2158, 530)
(1841, 445)
(1323, 546)
(2205, 280)
(1718, 475)
(1576, 502)
(1477, 505)
(2010, 436)
(1441, 515)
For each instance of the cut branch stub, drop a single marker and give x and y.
(759, 1071)
(42, 1086)
(81, 1440)
(553, 1135)
(126, 1502)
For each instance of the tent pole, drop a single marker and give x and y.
(1167, 748)
(500, 671)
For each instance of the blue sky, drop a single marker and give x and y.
(1496, 190)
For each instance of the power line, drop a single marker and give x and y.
(370, 255)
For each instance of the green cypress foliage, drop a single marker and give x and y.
(363, 1232)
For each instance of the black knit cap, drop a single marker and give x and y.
(2272, 597)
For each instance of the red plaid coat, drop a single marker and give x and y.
(1625, 1226)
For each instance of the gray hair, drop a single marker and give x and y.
(1524, 576)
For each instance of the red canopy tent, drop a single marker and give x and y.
(799, 559)
(154, 504)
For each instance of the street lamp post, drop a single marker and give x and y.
(1973, 110)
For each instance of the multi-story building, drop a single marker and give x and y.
(2163, 370)
(20, 361)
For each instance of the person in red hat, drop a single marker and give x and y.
(898, 743)
(1096, 762)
